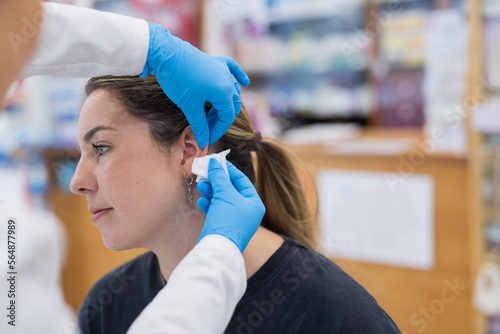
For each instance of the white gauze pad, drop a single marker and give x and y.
(200, 165)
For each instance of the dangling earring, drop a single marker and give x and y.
(188, 184)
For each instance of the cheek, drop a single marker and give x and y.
(142, 189)
(117, 185)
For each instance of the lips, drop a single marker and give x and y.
(98, 213)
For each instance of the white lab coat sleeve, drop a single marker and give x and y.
(82, 42)
(201, 293)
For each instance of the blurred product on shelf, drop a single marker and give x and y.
(400, 100)
(180, 17)
(445, 79)
(402, 39)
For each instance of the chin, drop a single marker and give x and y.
(117, 244)
(116, 248)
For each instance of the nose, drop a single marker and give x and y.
(83, 180)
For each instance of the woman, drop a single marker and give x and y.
(137, 153)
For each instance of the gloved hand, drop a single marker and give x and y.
(190, 78)
(232, 205)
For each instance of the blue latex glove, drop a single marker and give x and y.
(190, 78)
(232, 205)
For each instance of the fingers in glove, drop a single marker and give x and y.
(211, 117)
(225, 118)
(237, 103)
(205, 189)
(218, 177)
(203, 204)
(237, 71)
(199, 125)
(241, 182)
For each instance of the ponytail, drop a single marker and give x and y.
(280, 188)
(275, 174)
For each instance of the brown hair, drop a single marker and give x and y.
(274, 172)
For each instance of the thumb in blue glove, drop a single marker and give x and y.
(232, 205)
(190, 78)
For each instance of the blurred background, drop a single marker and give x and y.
(392, 105)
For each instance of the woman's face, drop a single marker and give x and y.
(132, 187)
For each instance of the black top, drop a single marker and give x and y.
(296, 291)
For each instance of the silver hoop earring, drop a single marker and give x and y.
(188, 184)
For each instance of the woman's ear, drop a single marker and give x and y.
(190, 149)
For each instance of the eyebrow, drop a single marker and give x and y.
(91, 133)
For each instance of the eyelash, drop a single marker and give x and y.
(98, 147)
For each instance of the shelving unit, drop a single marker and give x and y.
(483, 160)
(460, 233)
(332, 61)
(299, 55)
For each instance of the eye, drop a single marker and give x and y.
(100, 149)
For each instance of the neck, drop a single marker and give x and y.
(260, 248)
(173, 243)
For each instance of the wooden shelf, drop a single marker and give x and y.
(474, 170)
(403, 292)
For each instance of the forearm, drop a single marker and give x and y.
(93, 43)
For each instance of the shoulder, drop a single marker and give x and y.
(126, 275)
(330, 293)
(301, 291)
(120, 295)
(317, 276)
